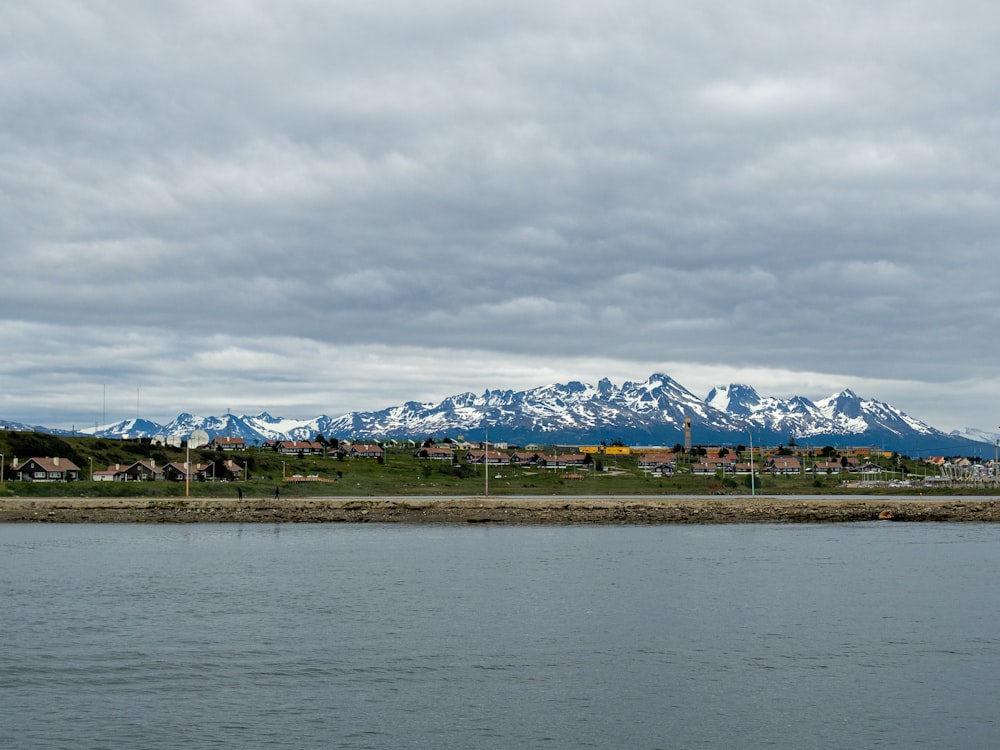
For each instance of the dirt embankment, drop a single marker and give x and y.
(554, 510)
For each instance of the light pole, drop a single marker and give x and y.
(3, 464)
(753, 489)
(486, 462)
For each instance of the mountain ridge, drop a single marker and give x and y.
(649, 412)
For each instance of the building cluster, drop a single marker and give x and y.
(704, 461)
(55, 469)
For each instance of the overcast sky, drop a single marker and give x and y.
(313, 206)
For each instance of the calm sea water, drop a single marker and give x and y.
(832, 636)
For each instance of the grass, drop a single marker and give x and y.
(400, 475)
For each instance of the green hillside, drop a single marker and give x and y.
(401, 474)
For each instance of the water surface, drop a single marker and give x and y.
(853, 635)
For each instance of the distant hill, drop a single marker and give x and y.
(650, 412)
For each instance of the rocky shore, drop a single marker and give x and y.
(521, 510)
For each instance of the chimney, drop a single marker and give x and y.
(55, 461)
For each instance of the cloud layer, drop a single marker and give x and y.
(315, 207)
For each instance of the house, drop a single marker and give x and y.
(227, 444)
(494, 457)
(139, 471)
(177, 470)
(523, 458)
(294, 447)
(174, 471)
(366, 451)
(46, 469)
(135, 472)
(827, 467)
(228, 470)
(436, 453)
(784, 465)
(704, 467)
(649, 460)
(561, 461)
(658, 462)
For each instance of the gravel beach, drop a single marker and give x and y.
(504, 510)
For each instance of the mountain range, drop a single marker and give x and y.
(650, 412)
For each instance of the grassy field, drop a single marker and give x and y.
(400, 474)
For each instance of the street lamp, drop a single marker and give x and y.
(753, 489)
(3, 464)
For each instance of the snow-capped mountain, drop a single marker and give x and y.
(798, 418)
(650, 412)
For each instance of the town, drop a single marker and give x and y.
(439, 465)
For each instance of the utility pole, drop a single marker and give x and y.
(753, 489)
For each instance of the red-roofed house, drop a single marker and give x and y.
(227, 443)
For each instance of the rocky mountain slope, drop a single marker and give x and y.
(649, 412)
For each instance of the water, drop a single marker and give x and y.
(831, 636)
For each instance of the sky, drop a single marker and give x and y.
(313, 207)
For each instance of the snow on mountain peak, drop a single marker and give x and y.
(649, 412)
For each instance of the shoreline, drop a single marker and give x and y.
(553, 510)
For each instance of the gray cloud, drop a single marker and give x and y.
(765, 190)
